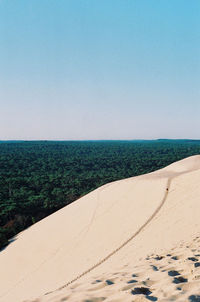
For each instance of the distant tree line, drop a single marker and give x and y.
(38, 178)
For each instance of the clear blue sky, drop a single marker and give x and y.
(99, 69)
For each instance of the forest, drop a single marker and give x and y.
(38, 178)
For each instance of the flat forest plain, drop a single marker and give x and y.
(38, 178)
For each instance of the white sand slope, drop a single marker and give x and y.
(108, 233)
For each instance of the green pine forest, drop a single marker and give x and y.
(38, 178)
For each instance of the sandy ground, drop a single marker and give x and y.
(172, 276)
(132, 240)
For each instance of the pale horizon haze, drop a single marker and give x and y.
(109, 69)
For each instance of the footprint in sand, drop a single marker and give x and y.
(173, 273)
(188, 286)
(100, 284)
(180, 279)
(73, 286)
(197, 277)
(155, 268)
(158, 258)
(134, 275)
(64, 299)
(141, 291)
(96, 281)
(148, 282)
(175, 257)
(151, 298)
(132, 281)
(131, 284)
(109, 282)
(127, 287)
(99, 299)
(144, 291)
(192, 259)
(140, 299)
(194, 298)
(97, 284)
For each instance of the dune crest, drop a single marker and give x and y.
(112, 229)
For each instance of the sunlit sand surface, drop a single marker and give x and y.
(132, 240)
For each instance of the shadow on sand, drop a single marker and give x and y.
(10, 241)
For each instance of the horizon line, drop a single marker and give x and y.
(87, 140)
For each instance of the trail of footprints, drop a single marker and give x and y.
(167, 277)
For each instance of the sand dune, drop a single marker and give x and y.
(132, 240)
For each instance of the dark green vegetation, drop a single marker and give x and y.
(38, 178)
